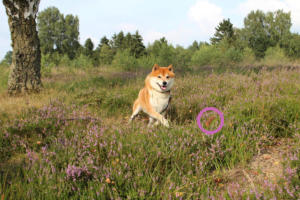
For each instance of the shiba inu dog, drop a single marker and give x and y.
(155, 97)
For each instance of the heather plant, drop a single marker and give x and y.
(81, 147)
(72, 140)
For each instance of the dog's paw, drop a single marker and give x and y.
(129, 121)
(165, 123)
(156, 123)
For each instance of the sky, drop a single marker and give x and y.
(180, 21)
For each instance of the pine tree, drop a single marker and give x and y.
(103, 41)
(194, 46)
(223, 31)
(88, 47)
(128, 42)
(138, 48)
(106, 54)
(7, 60)
(117, 41)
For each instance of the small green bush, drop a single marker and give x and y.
(248, 56)
(7, 60)
(65, 61)
(207, 55)
(233, 55)
(147, 61)
(106, 55)
(50, 60)
(82, 62)
(124, 60)
(275, 55)
(163, 52)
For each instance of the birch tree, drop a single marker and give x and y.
(26, 59)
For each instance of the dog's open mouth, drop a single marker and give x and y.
(163, 87)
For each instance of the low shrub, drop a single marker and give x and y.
(124, 60)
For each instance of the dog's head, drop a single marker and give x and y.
(162, 78)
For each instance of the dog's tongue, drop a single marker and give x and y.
(163, 87)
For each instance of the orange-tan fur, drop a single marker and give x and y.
(154, 98)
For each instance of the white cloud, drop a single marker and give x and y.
(207, 15)
(292, 6)
(265, 5)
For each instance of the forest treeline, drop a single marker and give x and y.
(265, 36)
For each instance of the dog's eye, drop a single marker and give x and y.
(159, 76)
(167, 77)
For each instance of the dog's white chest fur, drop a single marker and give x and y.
(159, 101)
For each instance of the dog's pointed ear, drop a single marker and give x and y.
(170, 67)
(155, 67)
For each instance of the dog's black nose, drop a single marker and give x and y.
(164, 83)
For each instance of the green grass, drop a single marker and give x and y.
(82, 127)
(3, 77)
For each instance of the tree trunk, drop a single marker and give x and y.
(26, 60)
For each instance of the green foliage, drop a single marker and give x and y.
(241, 40)
(230, 45)
(70, 41)
(7, 60)
(182, 57)
(233, 55)
(256, 33)
(224, 31)
(82, 61)
(291, 45)
(50, 60)
(65, 61)
(248, 56)
(132, 42)
(106, 55)
(103, 41)
(50, 24)
(279, 24)
(58, 33)
(217, 55)
(163, 52)
(3, 78)
(137, 47)
(275, 56)
(117, 41)
(265, 30)
(206, 55)
(146, 61)
(194, 47)
(59, 36)
(124, 60)
(88, 47)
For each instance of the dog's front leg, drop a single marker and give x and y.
(151, 120)
(164, 115)
(158, 117)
